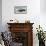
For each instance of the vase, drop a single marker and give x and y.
(41, 43)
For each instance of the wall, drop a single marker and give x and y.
(34, 14)
(43, 6)
(43, 14)
(0, 15)
(33, 10)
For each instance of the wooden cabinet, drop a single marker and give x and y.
(22, 33)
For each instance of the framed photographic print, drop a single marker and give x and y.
(20, 9)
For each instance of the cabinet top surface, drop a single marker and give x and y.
(19, 23)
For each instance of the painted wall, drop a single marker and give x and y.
(0, 15)
(43, 6)
(34, 14)
(33, 10)
(43, 14)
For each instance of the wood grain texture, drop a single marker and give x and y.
(23, 27)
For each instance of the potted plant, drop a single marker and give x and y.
(41, 36)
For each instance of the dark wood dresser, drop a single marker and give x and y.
(22, 33)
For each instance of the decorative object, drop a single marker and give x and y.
(45, 35)
(20, 9)
(7, 38)
(41, 36)
(27, 21)
(1, 40)
(13, 21)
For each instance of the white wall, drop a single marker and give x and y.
(33, 10)
(43, 14)
(34, 14)
(43, 6)
(0, 15)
